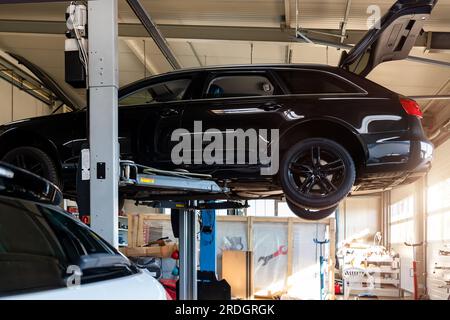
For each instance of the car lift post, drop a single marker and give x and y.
(103, 118)
(322, 265)
(208, 241)
(188, 254)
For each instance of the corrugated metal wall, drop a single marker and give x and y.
(17, 104)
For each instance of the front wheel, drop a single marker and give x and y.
(309, 214)
(317, 173)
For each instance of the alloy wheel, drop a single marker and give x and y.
(317, 172)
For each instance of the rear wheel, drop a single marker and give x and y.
(309, 214)
(35, 161)
(317, 173)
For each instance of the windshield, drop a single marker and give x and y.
(83, 245)
(40, 244)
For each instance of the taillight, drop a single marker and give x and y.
(411, 107)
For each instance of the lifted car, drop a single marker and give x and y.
(339, 133)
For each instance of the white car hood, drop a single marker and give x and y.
(141, 286)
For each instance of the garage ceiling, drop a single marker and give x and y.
(321, 14)
(191, 25)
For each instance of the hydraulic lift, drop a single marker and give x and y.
(106, 173)
(185, 212)
(183, 219)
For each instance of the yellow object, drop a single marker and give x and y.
(147, 180)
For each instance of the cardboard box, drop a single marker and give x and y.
(154, 251)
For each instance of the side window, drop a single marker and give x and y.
(315, 82)
(172, 90)
(31, 258)
(84, 241)
(239, 86)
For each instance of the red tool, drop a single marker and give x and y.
(414, 268)
(175, 255)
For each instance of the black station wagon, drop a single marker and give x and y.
(339, 133)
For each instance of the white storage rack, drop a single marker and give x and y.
(385, 270)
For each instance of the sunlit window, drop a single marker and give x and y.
(439, 211)
(261, 208)
(402, 220)
(284, 211)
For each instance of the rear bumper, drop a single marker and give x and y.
(423, 156)
(395, 162)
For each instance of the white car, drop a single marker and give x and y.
(47, 254)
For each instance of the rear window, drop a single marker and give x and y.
(226, 86)
(315, 82)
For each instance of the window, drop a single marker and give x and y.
(239, 86)
(402, 220)
(315, 82)
(173, 90)
(79, 242)
(261, 208)
(83, 240)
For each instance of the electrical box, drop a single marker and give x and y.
(75, 48)
(75, 73)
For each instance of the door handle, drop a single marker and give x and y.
(169, 112)
(271, 106)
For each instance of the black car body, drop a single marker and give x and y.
(380, 130)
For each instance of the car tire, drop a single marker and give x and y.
(34, 160)
(317, 173)
(308, 214)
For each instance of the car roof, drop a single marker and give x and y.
(237, 67)
(252, 66)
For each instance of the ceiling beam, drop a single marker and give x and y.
(187, 32)
(134, 30)
(154, 32)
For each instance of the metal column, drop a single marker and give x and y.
(188, 256)
(103, 118)
(208, 241)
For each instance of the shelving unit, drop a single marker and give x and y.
(386, 278)
(123, 232)
(384, 268)
(439, 277)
